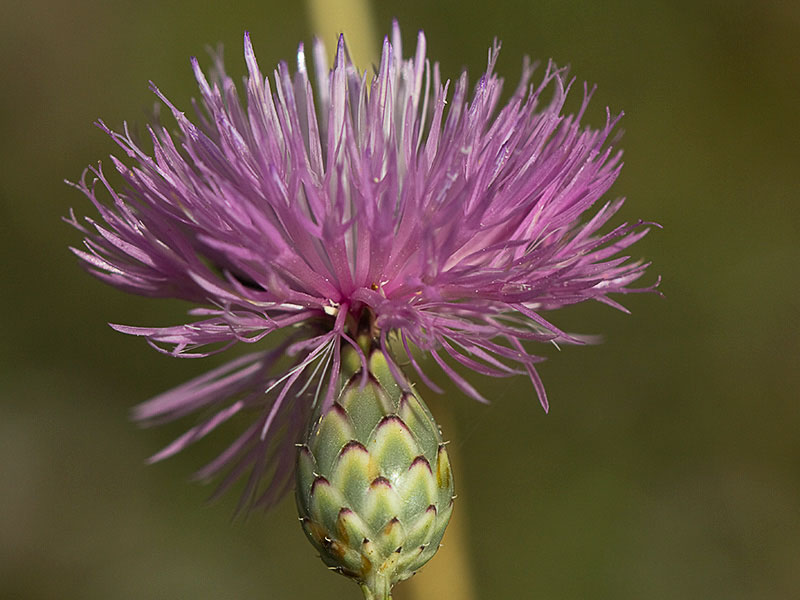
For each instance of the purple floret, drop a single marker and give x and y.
(451, 221)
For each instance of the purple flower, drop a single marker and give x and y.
(448, 222)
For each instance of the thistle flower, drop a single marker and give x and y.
(391, 213)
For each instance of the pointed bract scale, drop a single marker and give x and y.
(305, 476)
(432, 542)
(421, 530)
(412, 561)
(417, 488)
(372, 558)
(382, 504)
(421, 424)
(325, 503)
(340, 556)
(334, 431)
(426, 552)
(393, 447)
(442, 519)
(391, 538)
(443, 516)
(353, 472)
(444, 476)
(350, 530)
(379, 368)
(315, 533)
(366, 407)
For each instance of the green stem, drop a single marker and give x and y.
(378, 589)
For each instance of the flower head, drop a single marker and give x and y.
(431, 214)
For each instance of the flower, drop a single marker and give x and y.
(445, 222)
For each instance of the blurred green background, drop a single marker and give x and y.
(669, 465)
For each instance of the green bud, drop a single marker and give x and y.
(374, 486)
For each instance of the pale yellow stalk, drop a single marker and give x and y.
(448, 575)
(354, 18)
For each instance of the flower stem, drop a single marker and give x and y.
(378, 589)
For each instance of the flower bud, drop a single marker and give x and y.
(374, 487)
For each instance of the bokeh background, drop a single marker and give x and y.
(669, 465)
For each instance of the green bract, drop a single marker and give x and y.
(374, 486)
